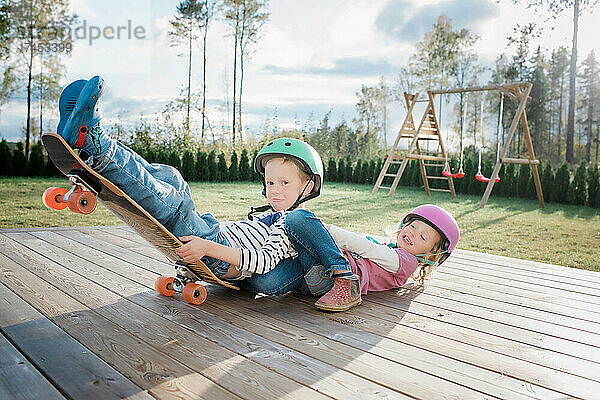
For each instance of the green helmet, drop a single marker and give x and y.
(299, 150)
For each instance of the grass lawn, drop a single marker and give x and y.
(559, 234)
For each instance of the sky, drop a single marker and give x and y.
(312, 56)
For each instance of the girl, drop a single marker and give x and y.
(424, 239)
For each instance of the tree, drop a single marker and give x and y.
(520, 40)
(221, 175)
(369, 121)
(537, 109)
(232, 16)
(437, 54)
(245, 171)
(557, 7)
(590, 82)
(233, 173)
(201, 166)
(188, 166)
(208, 11)
(254, 14)
(562, 184)
(559, 64)
(580, 185)
(19, 161)
(184, 30)
(212, 167)
(34, 27)
(36, 160)
(593, 186)
(6, 162)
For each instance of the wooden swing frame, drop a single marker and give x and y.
(429, 126)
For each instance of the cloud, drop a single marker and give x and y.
(408, 21)
(352, 66)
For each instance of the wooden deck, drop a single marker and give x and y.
(80, 319)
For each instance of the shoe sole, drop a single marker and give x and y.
(88, 98)
(345, 307)
(66, 102)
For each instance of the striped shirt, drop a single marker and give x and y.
(263, 244)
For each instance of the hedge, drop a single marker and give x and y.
(516, 182)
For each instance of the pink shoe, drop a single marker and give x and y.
(344, 295)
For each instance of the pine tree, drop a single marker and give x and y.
(19, 160)
(357, 172)
(222, 168)
(174, 160)
(233, 173)
(349, 169)
(212, 167)
(509, 178)
(562, 183)
(593, 185)
(6, 162)
(188, 166)
(523, 180)
(162, 156)
(548, 182)
(341, 175)
(370, 173)
(245, 172)
(36, 160)
(201, 166)
(331, 170)
(580, 185)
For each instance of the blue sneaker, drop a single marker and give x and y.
(66, 102)
(83, 129)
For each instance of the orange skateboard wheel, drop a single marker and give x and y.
(164, 285)
(82, 202)
(52, 196)
(194, 293)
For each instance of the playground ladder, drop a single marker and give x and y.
(428, 130)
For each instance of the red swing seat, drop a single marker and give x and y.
(479, 176)
(456, 175)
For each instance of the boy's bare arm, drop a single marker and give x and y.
(195, 248)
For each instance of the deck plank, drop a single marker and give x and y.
(19, 379)
(77, 371)
(486, 327)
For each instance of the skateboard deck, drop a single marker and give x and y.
(91, 185)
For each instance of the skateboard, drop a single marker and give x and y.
(87, 186)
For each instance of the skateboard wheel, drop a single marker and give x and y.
(194, 293)
(164, 285)
(52, 196)
(82, 202)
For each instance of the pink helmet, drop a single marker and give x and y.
(441, 221)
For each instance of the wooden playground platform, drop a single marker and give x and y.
(79, 319)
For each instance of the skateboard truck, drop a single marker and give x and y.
(184, 283)
(184, 276)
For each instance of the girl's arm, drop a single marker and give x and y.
(380, 254)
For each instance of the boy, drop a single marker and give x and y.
(293, 174)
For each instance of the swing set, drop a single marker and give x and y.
(429, 130)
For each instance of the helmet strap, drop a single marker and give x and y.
(300, 200)
(254, 210)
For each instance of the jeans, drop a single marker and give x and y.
(310, 272)
(162, 191)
